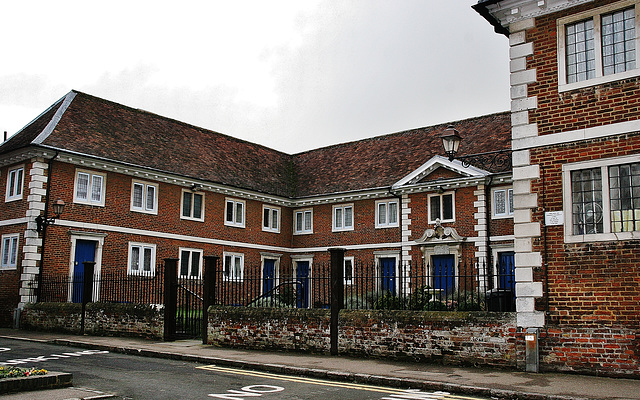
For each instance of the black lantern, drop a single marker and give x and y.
(451, 142)
(58, 209)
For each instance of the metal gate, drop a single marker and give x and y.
(187, 296)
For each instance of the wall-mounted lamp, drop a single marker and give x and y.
(492, 161)
(58, 208)
(196, 187)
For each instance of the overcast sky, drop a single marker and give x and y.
(291, 75)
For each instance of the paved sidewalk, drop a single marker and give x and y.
(428, 377)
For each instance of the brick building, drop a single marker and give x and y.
(575, 89)
(140, 188)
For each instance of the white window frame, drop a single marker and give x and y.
(202, 206)
(453, 206)
(304, 230)
(607, 235)
(563, 86)
(13, 240)
(386, 223)
(509, 204)
(339, 221)
(142, 247)
(348, 280)
(234, 203)
(233, 257)
(271, 212)
(15, 185)
(92, 176)
(190, 262)
(145, 186)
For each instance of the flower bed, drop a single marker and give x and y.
(15, 372)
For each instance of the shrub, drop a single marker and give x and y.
(388, 301)
(419, 298)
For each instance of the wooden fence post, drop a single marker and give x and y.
(337, 295)
(170, 297)
(210, 275)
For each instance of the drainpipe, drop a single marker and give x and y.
(44, 227)
(487, 196)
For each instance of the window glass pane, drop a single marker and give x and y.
(348, 217)
(510, 195)
(299, 225)
(137, 195)
(447, 206)
(13, 259)
(148, 252)
(624, 194)
(274, 222)
(184, 262)
(151, 198)
(586, 193)
(435, 207)
(237, 270)
(186, 204)
(239, 213)
(393, 213)
(197, 206)
(195, 264)
(307, 220)
(618, 41)
(338, 218)
(82, 187)
(18, 184)
(227, 266)
(5, 251)
(96, 188)
(500, 202)
(382, 214)
(348, 270)
(229, 211)
(266, 220)
(135, 258)
(579, 52)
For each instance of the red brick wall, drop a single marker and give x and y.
(589, 284)
(467, 338)
(577, 109)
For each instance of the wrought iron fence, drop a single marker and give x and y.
(441, 286)
(108, 286)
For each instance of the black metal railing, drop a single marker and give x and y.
(110, 287)
(408, 286)
(411, 286)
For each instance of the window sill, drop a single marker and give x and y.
(602, 237)
(565, 87)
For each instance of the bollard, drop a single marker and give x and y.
(532, 355)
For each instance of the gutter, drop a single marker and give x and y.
(481, 8)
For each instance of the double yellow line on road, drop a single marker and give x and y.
(345, 385)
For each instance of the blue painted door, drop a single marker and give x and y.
(506, 271)
(388, 274)
(85, 251)
(302, 276)
(268, 275)
(444, 273)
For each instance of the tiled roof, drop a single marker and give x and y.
(382, 161)
(108, 130)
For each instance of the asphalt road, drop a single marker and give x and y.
(141, 378)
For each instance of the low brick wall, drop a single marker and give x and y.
(458, 338)
(101, 319)
(463, 338)
(270, 328)
(608, 351)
